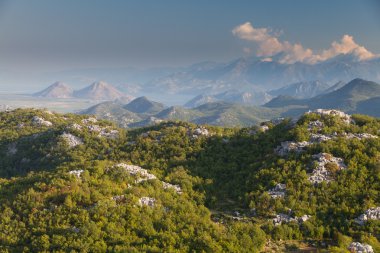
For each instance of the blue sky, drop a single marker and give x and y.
(45, 35)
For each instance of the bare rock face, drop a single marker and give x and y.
(284, 218)
(315, 125)
(147, 201)
(38, 121)
(76, 173)
(370, 214)
(326, 165)
(200, 131)
(345, 117)
(71, 140)
(175, 187)
(140, 173)
(278, 191)
(358, 247)
(89, 120)
(290, 146)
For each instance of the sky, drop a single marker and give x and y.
(43, 35)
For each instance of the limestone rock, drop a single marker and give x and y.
(71, 140)
(147, 201)
(76, 173)
(321, 172)
(38, 121)
(358, 247)
(370, 214)
(278, 191)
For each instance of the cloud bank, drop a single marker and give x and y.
(269, 45)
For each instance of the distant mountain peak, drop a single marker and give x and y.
(144, 105)
(56, 90)
(99, 91)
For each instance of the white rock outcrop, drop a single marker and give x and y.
(370, 214)
(289, 146)
(38, 121)
(140, 173)
(89, 120)
(76, 126)
(175, 187)
(345, 117)
(278, 191)
(147, 201)
(284, 218)
(77, 173)
(316, 124)
(71, 140)
(358, 247)
(200, 131)
(321, 173)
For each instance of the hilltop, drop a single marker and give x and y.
(75, 183)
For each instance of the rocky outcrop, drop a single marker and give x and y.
(71, 140)
(284, 218)
(278, 191)
(76, 173)
(316, 124)
(140, 173)
(147, 201)
(370, 214)
(289, 146)
(175, 187)
(38, 121)
(346, 118)
(327, 165)
(358, 247)
(200, 131)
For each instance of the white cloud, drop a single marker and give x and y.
(269, 45)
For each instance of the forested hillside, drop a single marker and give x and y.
(72, 183)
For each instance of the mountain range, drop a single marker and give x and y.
(96, 91)
(357, 96)
(254, 74)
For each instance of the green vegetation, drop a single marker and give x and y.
(224, 175)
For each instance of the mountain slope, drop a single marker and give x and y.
(99, 91)
(144, 105)
(347, 98)
(56, 90)
(301, 89)
(78, 184)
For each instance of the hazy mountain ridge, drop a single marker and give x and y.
(95, 91)
(357, 96)
(346, 98)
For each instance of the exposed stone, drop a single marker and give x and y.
(358, 247)
(290, 146)
(147, 201)
(40, 121)
(76, 126)
(318, 138)
(278, 191)
(71, 140)
(284, 218)
(316, 124)
(176, 188)
(137, 171)
(345, 117)
(89, 120)
(370, 214)
(321, 173)
(76, 173)
(360, 136)
(200, 131)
